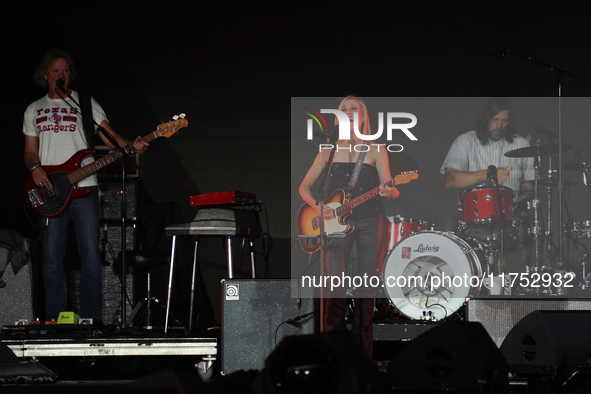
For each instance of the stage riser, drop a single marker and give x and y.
(500, 315)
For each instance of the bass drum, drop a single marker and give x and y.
(429, 275)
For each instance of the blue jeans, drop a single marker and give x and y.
(83, 213)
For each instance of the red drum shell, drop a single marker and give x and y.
(479, 210)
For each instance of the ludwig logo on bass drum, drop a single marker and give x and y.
(426, 248)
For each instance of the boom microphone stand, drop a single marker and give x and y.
(559, 74)
(320, 202)
(123, 157)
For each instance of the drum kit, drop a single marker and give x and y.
(428, 274)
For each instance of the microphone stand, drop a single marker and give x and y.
(558, 74)
(320, 202)
(124, 156)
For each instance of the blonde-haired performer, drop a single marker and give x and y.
(368, 219)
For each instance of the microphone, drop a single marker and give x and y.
(59, 84)
(294, 323)
(296, 320)
(542, 130)
(491, 174)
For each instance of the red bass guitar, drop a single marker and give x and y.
(65, 177)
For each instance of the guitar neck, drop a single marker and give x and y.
(86, 171)
(357, 201)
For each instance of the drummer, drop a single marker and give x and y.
(468, 160)
(472, 153)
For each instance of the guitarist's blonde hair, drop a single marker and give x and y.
(366, 127)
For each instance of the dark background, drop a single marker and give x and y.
(233, 66)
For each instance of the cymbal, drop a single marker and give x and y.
(551, 182)
(532, 151)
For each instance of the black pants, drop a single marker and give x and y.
(369, 237)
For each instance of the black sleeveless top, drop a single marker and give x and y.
(339, 178)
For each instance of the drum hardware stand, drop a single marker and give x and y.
(550, 257)
(493, 257)
(498, 255)
(585, 284)
(581, 166)
(536, 206)
(584, 169)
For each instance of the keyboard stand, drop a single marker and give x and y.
(223, 222)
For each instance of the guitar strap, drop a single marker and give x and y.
(87, 116)
(355, 175)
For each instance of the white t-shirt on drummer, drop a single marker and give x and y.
(59, 127)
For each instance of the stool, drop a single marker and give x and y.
(150, 261)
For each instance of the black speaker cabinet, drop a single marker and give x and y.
(110, 199)
(16, 297)
(255, 315)
(499, 315)
(549, 342)
(452, 356)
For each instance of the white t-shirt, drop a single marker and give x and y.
(60, 130)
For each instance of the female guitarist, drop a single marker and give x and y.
(367, 220)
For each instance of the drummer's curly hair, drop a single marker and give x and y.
(493, 107)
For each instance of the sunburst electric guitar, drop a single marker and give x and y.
(309, 221)
(65, 177)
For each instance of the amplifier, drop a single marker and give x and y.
(110, 199)
(114, 170)
(16, 299)
(255, 316)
